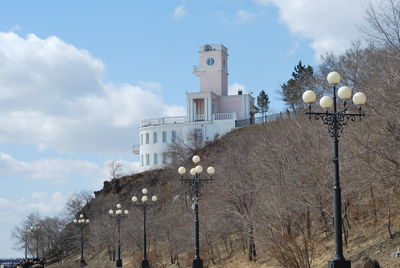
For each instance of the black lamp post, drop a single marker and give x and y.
(336, 121)
(26, 232)
(118, 215)
(195, 181)
(82, 223)
(144, 206)
(35, 230)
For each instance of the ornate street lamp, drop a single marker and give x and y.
(336, 121)
(195, 181)
(144, 206)
(118, 215)
(35, 230)
(26, 232)
(82, 223)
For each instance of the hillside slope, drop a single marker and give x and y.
(272, 190)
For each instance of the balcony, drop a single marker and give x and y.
(211, 47)
(136, 149)
(196, 70)
(162, 121)
(224, 116)
(182, 119)
(199, 117)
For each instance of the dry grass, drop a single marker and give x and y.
(366, 239)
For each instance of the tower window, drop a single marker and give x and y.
(147, 138)
(155, 159)
(147, 159)
(141, 139)
(210, 61)
(141, 161)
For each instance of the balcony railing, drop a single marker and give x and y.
(199, 117)
(136, 149)
(162, 121)
(224, 116)
(211, 47)
(182, 119)
(270, 117)
(196, 68)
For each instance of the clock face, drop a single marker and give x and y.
(210, 61)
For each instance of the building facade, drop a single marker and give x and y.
(210, 113)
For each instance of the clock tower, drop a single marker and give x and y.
(213, 69)
(210, 112)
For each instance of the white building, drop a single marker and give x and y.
(210, 112)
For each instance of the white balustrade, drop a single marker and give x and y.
(182, 119)
(224, 116)
(163, 120)
(199, 117)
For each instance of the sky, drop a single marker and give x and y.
(76, 78)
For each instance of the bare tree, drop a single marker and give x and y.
(115, 169)
(185, 147)
(76, 202)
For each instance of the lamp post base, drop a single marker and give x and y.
(339, 264)
(145, 264)
(118, 264)
(82, 263)
(197, 263)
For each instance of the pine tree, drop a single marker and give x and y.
(263, 103)
(302, 80)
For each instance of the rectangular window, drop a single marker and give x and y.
(155, 159)
(164, 136)
(141, 161)
(147, 138)
(141, 139)
(155, 138)
(147, 159)
(164, 158)
(173, 136)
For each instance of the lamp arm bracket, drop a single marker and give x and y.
(335, 121)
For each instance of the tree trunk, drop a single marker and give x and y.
(374, 211)
(288, 225)
(308, 223)
(109, 252)
(252, 245)
(389, 222)
(243, 244)
(324, 220)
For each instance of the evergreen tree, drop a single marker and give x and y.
(302, 80)
(263, 103)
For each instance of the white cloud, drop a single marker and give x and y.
(12, 212)
(235, 87)
(14, 28)
(331, 25)
(153, 86)
(53, 95)
(245, 16)
(127, 168)
(179, 12)
(38, 202)
(56, 170)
